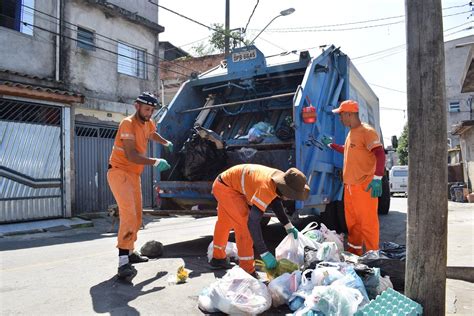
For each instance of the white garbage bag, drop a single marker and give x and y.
(329, 251)
(230, 250)
(236, 293)
(293, 249)
(325, 275)
(283, 287)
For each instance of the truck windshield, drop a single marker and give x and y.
(400, 173)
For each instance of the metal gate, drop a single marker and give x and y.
(30, 161)
(92, 147)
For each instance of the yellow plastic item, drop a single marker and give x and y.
(283, 266)
(182, 275)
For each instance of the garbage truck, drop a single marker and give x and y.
(265, 110)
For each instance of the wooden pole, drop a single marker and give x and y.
(425, 278)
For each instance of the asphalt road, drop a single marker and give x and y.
(73, 272)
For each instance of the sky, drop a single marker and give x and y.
(384, 71)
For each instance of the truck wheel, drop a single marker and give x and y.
(384, 200)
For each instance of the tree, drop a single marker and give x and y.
(402, 149)
(217, 39)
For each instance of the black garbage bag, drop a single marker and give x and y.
(202, 159)
(391, 261)
(393, 251)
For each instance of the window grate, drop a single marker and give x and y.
(29, 113)
(85, 39)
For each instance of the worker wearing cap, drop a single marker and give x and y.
(364, 164)
(126, 163)
(261, 188)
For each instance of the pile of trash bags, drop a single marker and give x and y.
(319, 278)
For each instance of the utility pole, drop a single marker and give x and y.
(425, 277)
(227, 27)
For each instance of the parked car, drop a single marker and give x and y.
(398, 178)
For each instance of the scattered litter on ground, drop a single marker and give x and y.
(314, 276)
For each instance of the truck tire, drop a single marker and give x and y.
(384, 200)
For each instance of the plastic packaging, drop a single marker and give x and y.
(336, 300)
(325, 275)
(283, 287)
(236, 293)
(230, 250)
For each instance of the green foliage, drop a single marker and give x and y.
(217, 39)
(402, 149)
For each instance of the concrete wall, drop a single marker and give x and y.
(457, 62)
(143, 8)
(17, 49)
(94, 73)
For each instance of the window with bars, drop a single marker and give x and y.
(131, 61)
(454, 106)
(85, 39)
(29, 113)
(18, 15)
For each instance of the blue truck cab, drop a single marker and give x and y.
(265, 110)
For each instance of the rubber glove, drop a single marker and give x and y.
(376, 186)
(169, 146)
(290, 229)
(326, 140)
(161, 164)
(269, 260)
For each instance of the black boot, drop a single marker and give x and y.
(220, 264)
(135, 257)
(126, 272)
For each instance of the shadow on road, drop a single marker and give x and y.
(113, 296)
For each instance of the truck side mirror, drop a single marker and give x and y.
(394, 142)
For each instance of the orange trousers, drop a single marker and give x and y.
(127, 191)
(232, 213)
(361, 218)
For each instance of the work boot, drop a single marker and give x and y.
(126, 272)
(220, 264)
(135, 257)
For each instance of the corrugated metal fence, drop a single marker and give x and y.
(92, 148)
(30, 161)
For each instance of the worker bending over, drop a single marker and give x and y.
(364, 165)
(262, 188)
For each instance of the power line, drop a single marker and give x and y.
(359, 22)
(466, 29)
(273, 44)
(391, 89)
(94, 46)
(318, 28)
(378, 52)
(195, 21)
(251, 15)
(98, 34)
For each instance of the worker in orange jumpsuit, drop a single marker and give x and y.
(261, 188)
(126, 164)
(364, 165)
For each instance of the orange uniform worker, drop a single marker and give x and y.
(364, 163)
(126, 164)
(261, 187)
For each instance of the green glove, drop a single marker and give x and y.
(161, 164)
(326, 140)
(269, 260)
(290, 229)
(376, 186)
(169, 147)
